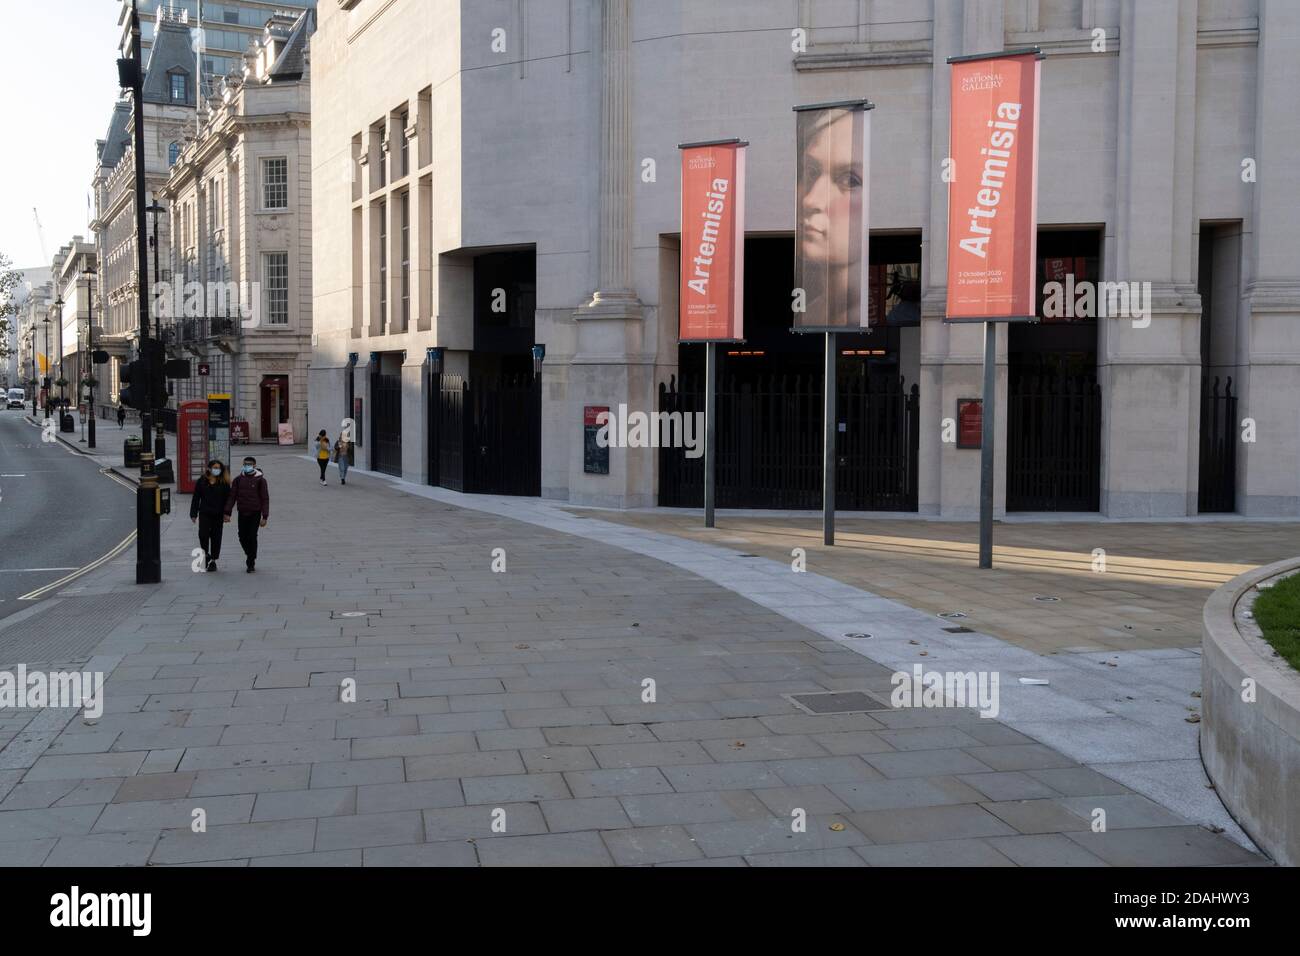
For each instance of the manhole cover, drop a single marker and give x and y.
(958, 630)
(842, 702)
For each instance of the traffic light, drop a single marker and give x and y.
(144, 386)
(132, 392)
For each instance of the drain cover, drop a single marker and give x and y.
(958, 630)
(842, 702)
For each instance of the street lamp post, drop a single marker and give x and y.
(49, 366)
(155, 210)
(148, 553)
(90, 273)
(31, 347)
(81, 361)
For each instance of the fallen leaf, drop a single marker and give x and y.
(837, 827)
(1194, 719)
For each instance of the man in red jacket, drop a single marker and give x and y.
(249, 492)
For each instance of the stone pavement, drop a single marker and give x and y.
(1147, 594)
(515, 699)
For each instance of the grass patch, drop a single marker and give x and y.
(1277, 611)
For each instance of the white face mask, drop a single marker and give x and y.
(216, 472)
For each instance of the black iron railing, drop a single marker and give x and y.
(485, 436)
(770, 443)
(1217, 488)
(1053, 443)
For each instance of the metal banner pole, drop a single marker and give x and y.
(828, 444)
(710, 428)
(987, 415)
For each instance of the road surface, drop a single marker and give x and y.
(58, 513)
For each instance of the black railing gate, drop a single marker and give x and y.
(386, 423)
(770, 444)
(1053, 443)
(1217, 488)
(485, 436)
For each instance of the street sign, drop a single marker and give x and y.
(219, 427)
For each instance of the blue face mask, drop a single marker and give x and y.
(216, 471)
(248, 469)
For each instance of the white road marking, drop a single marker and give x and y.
(30, 570)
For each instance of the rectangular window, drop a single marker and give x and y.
(404, 120)
(275, 183)
(275, 280)
(179, 88)
(383, 266)
(406, 260)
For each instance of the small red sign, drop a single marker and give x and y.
(203, 368)
(239, 431)
(970, 422)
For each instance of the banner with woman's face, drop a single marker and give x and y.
(830, 249)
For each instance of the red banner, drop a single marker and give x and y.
(993, 192)
(711, 303)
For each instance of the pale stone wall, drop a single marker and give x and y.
(1144, 139)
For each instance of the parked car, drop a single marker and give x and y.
(17, 398)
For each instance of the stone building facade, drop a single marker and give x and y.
(239, 197)
(466, 152)
(170, 94)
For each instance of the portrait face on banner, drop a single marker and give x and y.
(830, 258)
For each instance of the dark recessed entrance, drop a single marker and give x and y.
(485, 428)
(386, 414)
(770, 395)
(1053, 400)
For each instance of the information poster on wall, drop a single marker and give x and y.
(595, 458)
(285, 433)
(970, 422)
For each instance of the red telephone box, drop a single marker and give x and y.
(192, 444)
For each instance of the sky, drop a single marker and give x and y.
(59, 77)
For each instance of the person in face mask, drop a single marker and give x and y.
(249, 491)
(207, 508)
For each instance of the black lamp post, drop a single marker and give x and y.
(31, 347)
(89, 274)
(49, 366)
(156, 210)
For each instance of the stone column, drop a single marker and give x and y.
(1149, 365)
(952, 355)
(1268, 469)
(614, 296)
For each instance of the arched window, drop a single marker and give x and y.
(173, 153)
